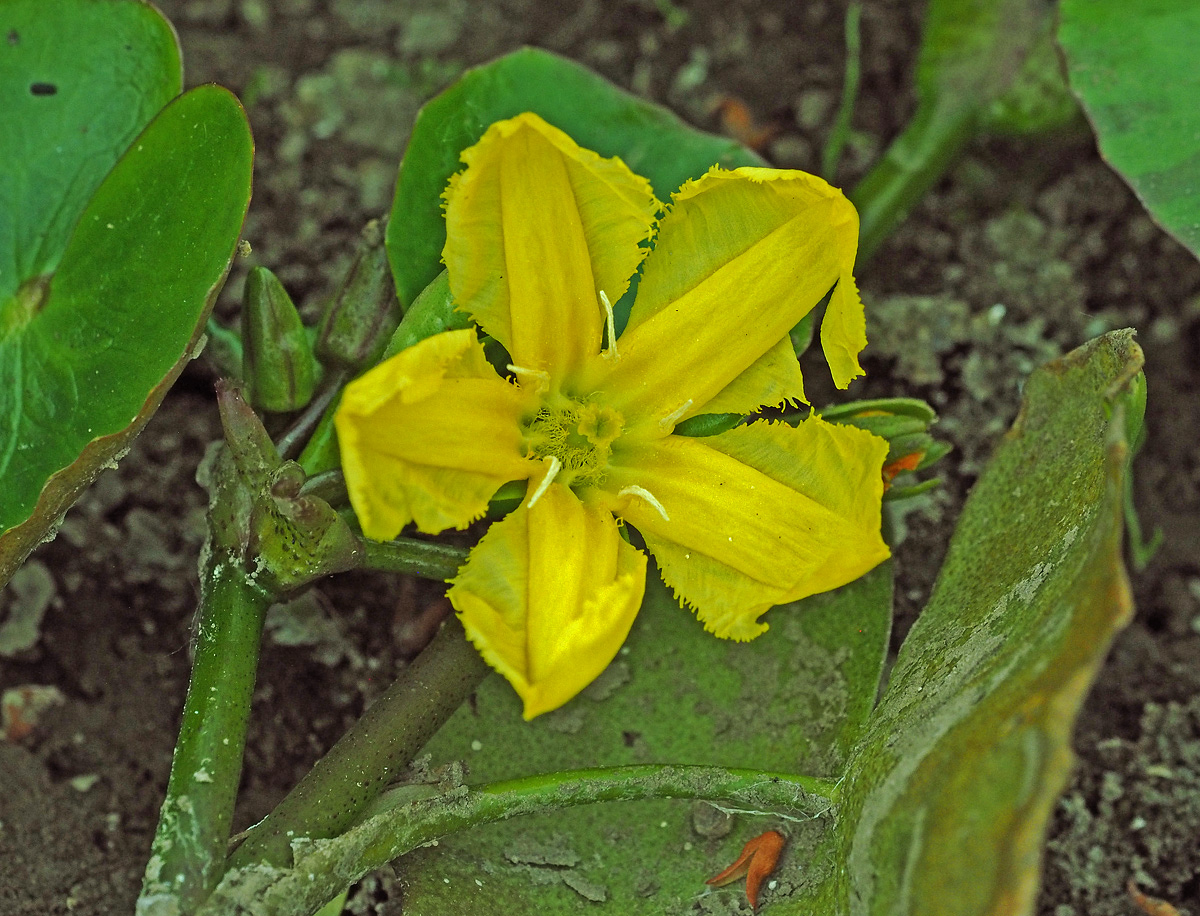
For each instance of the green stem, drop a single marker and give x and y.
(413, 558)
(189, 851)
(303, 426)
(915, 160)
(329, 486)
(841, 124)
(751, 791)
(374, 752)
(402, 824)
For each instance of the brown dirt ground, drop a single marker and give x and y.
(1041, 228)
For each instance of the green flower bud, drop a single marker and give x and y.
(277, 359)
(296, 539)
(287, 537)
(904, 423)
(364, 312)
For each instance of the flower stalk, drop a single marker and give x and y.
(373, 753)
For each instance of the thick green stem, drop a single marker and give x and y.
(374, 752)
(403, 823)
(189, 851)
(414, 558)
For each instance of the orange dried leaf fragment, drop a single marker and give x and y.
(1151, 905)
(757, 861)
(739, 122)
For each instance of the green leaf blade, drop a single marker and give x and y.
(598, 115)
(123, 312)
(1134, 68)
(946, 801)
(81, 78)
(794, 700)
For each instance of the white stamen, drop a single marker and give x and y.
(611, 324)
(540, 376)
(669, 420)
(648, 497)
(555, 467)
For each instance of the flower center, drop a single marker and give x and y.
(578, 434)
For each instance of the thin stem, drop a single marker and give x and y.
(293, 440)
(403, 824)
(841, 124)
(188, 855)
(749, 791)
(374, 752)
(915, 160)
(414, 558)
(329, 486)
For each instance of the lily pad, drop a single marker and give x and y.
(1134, 67)
(598, 115)
(79, 79)
(86, 354)
(945, 803)
(795, 700)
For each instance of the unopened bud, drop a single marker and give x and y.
(904, 423)
(277, 359)
(363, 313)
(294, 538)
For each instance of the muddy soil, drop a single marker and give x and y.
(1024, 251)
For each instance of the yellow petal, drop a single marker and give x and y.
(757, 516)
(429, 436)
(548, 596)
(844, 327)
(740, 258)
(536, 227)
(770, 381)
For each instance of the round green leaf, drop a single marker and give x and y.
(599, 116)
(1134, 67)
(79, 79)
(86, 360)
(794, 700)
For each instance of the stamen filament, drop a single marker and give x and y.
(645, 494)
(555, 467)
(539, 375)
(610, 323)
(669, 420)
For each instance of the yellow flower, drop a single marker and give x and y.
(541, 237)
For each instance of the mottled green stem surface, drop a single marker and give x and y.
(414, 558)
(402, 823)
(374, 752)
(189, 851)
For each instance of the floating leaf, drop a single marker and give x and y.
(794, 700)
(86, 359)
(79, 79)
(599, 116)
(945, 802)
(1134, 67)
